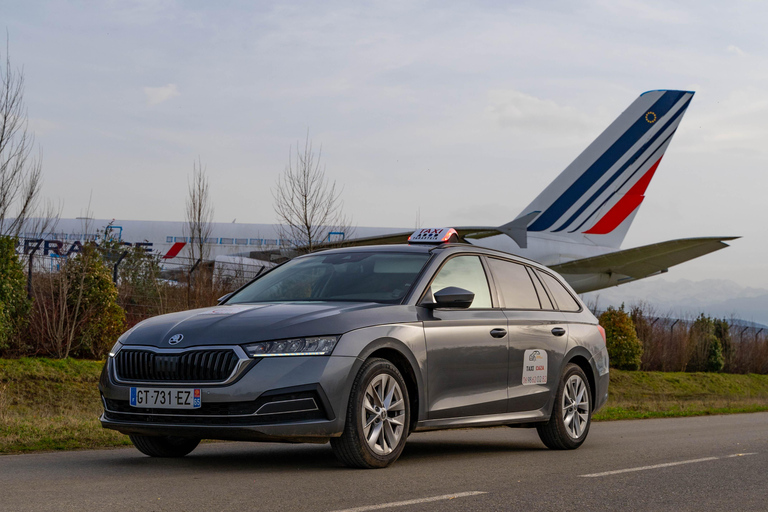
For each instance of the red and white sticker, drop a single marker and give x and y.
(432, 235)
(534, 367)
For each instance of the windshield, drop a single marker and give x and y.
(354, 276)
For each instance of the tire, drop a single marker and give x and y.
(378, 416)
(164, 446)
(571, 417)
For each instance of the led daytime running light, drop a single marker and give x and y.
(115, 349)
(318, 346)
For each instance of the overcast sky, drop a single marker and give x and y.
(457, 113)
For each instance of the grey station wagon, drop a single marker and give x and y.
(361, 347)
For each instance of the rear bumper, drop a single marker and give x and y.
(601, 393)
(299, 399)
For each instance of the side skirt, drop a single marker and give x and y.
(490, 420)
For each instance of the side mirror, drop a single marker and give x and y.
(224, 297)
(452, 297)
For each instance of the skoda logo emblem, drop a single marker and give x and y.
(175, 339)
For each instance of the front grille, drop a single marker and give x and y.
(191, 366)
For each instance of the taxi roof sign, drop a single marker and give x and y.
(433, 236)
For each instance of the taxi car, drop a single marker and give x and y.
(362, 346)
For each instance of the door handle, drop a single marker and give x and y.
(558, 331)
(498, 333)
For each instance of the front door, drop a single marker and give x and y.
(467, 349)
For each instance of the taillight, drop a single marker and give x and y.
(602, 331)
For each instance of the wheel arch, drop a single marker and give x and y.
(583, 359)
(405, 368)
(398, 353)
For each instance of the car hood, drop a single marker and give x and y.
(247, 323)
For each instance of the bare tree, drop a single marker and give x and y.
(308, 206)
(199, 213)
(20, 169)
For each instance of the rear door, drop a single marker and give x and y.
(466, 348)
(537, 335)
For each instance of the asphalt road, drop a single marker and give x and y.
(705, 463)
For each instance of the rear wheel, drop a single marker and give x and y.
(164, 446)
(377, 420)
(568, 426)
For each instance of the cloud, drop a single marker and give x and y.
(732, 48)
(40, 126)
(157, 95)
(523, 112)
(644, 10)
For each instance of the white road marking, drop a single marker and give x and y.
(412, 502)
(666, 465)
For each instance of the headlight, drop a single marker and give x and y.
(320, 346)
(115, 349)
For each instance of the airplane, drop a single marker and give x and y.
(575, 225)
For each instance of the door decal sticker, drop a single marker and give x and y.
(535, 367)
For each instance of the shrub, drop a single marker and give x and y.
(706, 349)
(139, 289)
(93, 297)
(14, 303)
(76, 311)
(624, 347)
(723, 333)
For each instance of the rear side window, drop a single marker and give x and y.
(565, 301)
(514, 285)
(465, 272)
(546, 303)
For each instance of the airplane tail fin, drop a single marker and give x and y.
(595, 199)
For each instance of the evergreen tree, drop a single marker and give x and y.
(624, 347)
(706, 349)
(723, 333)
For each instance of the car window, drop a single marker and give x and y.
(565, 301)
(546, 303)
(465, 272)
(352, 276)
(514, 284)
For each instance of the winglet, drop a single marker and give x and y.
(517, 230)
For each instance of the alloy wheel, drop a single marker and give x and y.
(383, 414)
(575, 406)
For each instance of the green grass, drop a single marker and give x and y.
(48, 405)
(637, 395)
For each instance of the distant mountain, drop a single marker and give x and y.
(716, 297)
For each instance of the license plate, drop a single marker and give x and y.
(153, 398)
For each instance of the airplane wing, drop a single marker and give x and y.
(473, 232)
(647, 260)
(282, 254)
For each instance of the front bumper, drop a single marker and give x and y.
(300, 399)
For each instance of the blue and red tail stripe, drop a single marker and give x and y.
(625, 206)
(626, 180)
(606, 161)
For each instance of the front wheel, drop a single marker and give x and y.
(568, 426)
(164, 446)
(377, 420)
